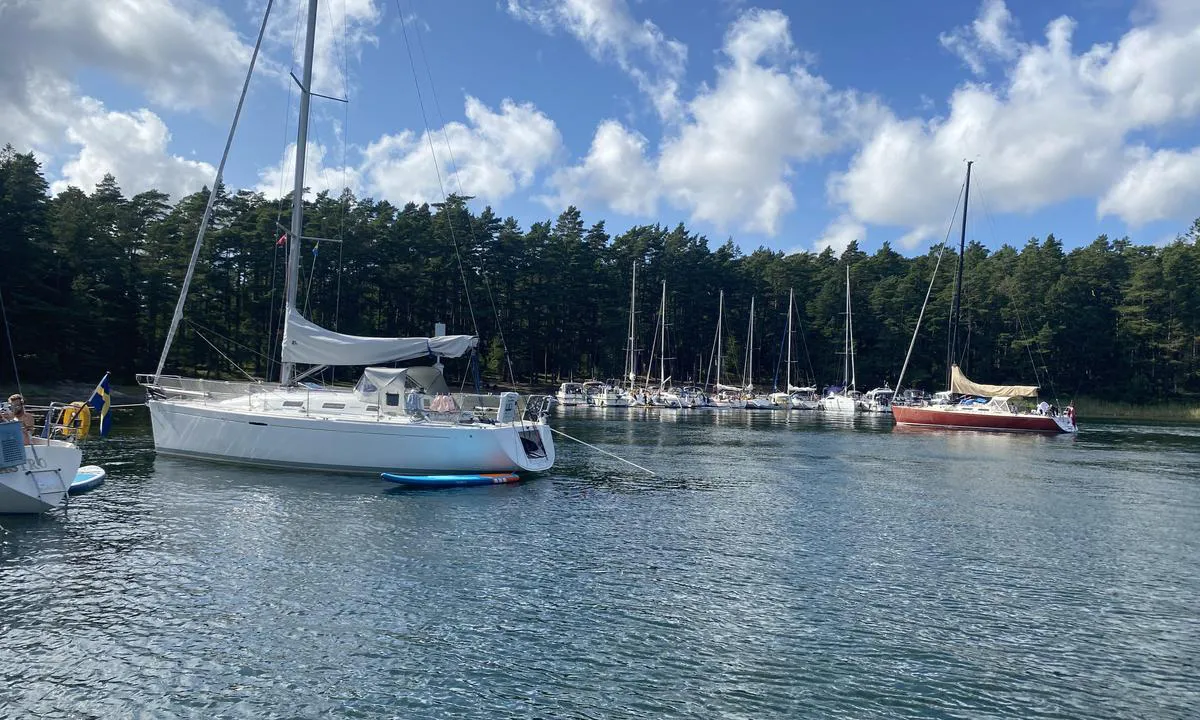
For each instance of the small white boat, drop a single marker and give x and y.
(34, 478)
(571, 394)
(879, 400)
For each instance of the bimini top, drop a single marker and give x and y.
(961, 385)
(306, 342)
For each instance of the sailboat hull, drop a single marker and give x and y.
(41, 483)
(967, 419)
(359, 445)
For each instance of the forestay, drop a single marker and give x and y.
(306, 342)
(961, 385)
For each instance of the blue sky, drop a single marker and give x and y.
(792, 125)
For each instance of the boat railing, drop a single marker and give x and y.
(175, 387)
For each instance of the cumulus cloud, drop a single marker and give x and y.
(1157, 186)
(131, 146)
(988, 37)
(615, 173)
(343, 29)
(607, 30)
(730, 159)
(839, 234)
(495, 153)
(1057, 128)
(182, 55)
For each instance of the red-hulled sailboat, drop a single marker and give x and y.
(976, 406)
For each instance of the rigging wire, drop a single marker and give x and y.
(458, 181)
(1026, 336)
(945, 241)
(436, 168)
(12, 349)
(177, 316)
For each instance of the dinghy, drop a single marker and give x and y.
(87, 478)
(440, 481)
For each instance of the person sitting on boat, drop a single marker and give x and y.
(16, 411)
(1043, 408)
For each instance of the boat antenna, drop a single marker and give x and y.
(952, 344)
(212, 195)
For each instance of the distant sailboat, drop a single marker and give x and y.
(792, 397)
(982, 407)
(844, 400)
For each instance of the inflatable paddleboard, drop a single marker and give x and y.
(88, 477)
(451, 480)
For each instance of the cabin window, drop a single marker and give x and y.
(293, 403)
(372, 408)
(334, 406)
(392, 399)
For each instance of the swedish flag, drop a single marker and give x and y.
(101, 402)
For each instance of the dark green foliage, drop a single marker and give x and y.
(90, 282)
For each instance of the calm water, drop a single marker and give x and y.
(772, 569)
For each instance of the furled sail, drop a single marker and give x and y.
(961, 385)
(306, 342)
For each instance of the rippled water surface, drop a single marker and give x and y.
(808, 568)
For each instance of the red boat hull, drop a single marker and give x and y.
(949, 417)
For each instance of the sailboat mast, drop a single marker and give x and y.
(631, 369)
(750, 349)
(952, 344)
(295, 233)
(720, 318)
(846, 340)
(662, 319)
(788, 386)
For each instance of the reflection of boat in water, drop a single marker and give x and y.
(976, 406)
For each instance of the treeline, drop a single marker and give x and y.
(90, 282)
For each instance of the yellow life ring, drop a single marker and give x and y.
(76, 421)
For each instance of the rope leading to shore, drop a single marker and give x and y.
(648, 471)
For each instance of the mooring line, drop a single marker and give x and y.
(618, 457)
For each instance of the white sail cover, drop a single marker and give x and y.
(961, 385)
(306, 342)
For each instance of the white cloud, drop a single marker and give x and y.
(1160, 185)
(615, 172)
(343, 28)
(495, 153)
(989, 36)
(1058, 128)
(181, 54)
(606, 29)
(731, 157)
(840, 233)
(130, 146)
(277, 180)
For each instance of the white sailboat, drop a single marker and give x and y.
(663, 395)
(793, 397)
(395, 419)
(724, 396)
(844, 400)
(753, 401)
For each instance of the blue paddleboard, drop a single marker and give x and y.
(88, 477)
(432, 481)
